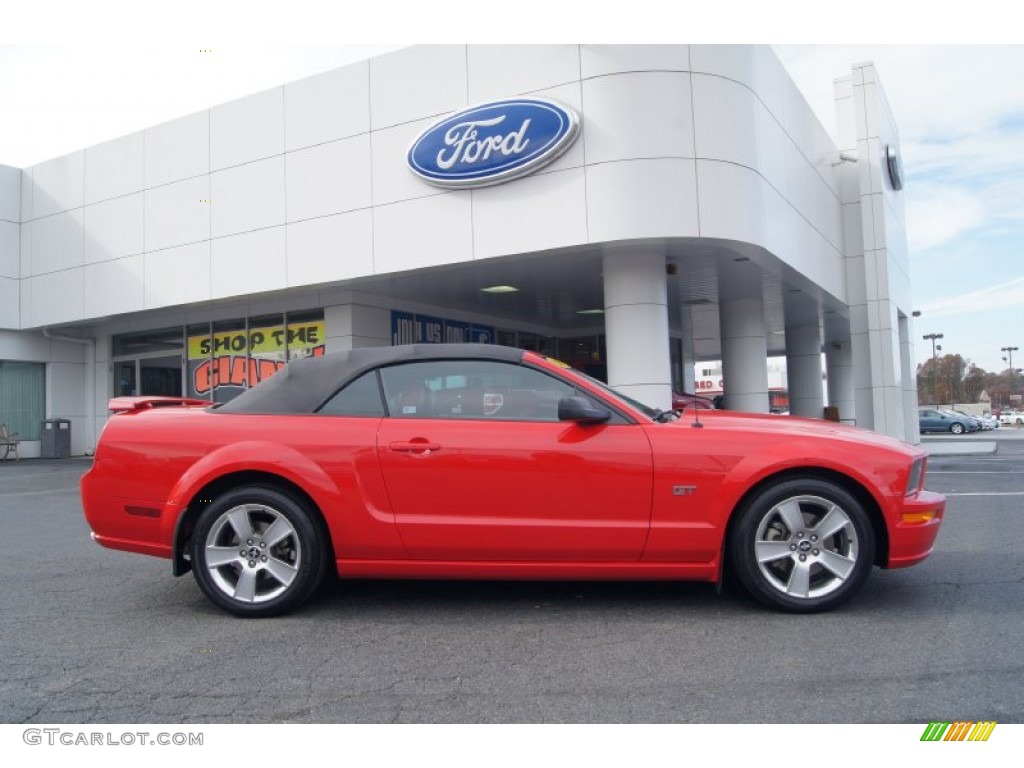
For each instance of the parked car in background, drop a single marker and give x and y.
(982, 423)
(684, 400)
(1011, 418)
(477, 461)
(987, 422)
(935, 420)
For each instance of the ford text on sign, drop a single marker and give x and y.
(493, 142)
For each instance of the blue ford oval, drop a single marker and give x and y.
(494, 142)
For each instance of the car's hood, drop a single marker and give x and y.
(792, 426)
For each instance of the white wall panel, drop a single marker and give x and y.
(10, 194)
(57, 242)
(501, 71)
(330, 248)
(113, 228)
(641, 114)
(392, 179)
(735, 62)
(423, 233)
(27, 193)
(114, 287)
(771, 150)
(10, 300)
(537, 213)
(65, 390)
(26, 250)
(327, 107)
(597, 60)
(26, 302)
(10, 249)
(115, 168)
(178, 150)
(769, 76)
(247, 129)
(58, 297)
(329, 178)
(417, 82)
(177, 275)
(30, 346)
(641, 198)
(58, 184)
(248, 263)
(572, 96)
(178, 213)
(780, 222)
(248, 197)
(731, 202)
(725, 116)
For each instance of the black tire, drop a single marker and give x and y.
(270, 568)
(811, 567)
(956, 428)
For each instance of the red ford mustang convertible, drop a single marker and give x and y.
(484, 462)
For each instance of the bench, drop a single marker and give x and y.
(9, 442)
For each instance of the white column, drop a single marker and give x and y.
(636, 325)
(744, 355)
(911, 429)
(803, 370)
(839, 369)
(689, 376)
(350, 326)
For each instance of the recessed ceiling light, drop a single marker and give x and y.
(589, 311)
(500, 289)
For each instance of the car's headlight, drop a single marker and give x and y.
(915, 480)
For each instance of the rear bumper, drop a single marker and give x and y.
(912, 537)
(125, 524)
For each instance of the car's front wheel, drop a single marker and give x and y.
(956, 428)
(802, 545)
(256, 552)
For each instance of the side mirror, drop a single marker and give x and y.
(580, 410)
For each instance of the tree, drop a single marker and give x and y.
(952, 378)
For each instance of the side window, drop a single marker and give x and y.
(359, 398)
(473, 389)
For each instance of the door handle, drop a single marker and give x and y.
(417, 446)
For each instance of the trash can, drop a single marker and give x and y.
(56, 439)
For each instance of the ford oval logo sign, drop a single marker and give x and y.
(494, 142)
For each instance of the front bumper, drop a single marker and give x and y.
(912, 537)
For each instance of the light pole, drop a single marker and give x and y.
(1009, 353)
(933, 337)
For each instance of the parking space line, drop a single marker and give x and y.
(986, 493)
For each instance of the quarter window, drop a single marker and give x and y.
(359, 398)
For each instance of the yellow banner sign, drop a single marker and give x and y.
(268, 341)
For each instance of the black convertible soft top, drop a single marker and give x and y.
(305, 385)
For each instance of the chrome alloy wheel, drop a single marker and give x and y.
(806, 546)
(252, 553)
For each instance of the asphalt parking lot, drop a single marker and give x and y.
(95, 636)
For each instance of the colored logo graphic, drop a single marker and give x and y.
(492, 143)
(958, 731)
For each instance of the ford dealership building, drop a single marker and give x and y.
(628, 209)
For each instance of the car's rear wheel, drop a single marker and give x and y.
(256, 552)
(956, 428)
(803, 545)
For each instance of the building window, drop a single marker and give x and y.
(214, 361)
(23, 398)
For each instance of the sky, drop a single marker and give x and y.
(68, 81)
